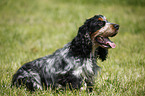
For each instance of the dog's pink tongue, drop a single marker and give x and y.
(111, 44)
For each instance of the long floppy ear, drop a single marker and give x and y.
(81, 45)
(102, 53)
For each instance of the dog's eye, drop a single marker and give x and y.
(101, 23)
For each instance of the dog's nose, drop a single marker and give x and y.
(116, 26)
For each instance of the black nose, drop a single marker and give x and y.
(116, 26)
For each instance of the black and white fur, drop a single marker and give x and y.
(72, 65)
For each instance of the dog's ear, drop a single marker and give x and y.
(81, 45)
(102, 53)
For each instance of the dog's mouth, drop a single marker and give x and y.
(105, 42)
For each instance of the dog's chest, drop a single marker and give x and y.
(84, 70)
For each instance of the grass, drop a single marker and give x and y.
(32, 29)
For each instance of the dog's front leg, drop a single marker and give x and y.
(90, 85)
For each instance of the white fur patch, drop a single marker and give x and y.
(89, 66)
(78, 71)
(85, 69)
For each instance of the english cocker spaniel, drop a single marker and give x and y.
(75, 63)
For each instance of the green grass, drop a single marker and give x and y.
(30, 29)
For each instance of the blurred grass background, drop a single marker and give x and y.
(30, 29)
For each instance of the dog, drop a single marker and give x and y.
(75, 63)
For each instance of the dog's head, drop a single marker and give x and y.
(94, 33)
(100, 31)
